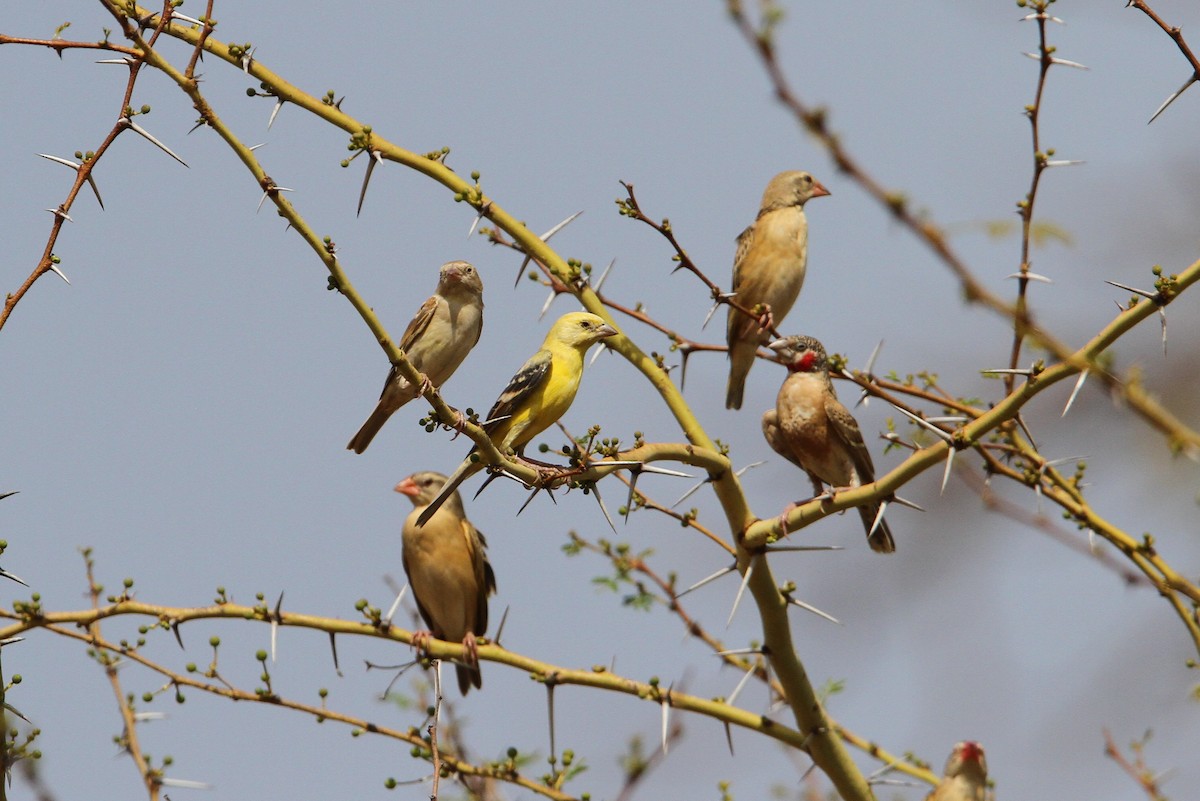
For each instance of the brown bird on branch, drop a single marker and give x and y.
(448, 572)
(966, 775)
(768, 270)
(437, 340)
(812, 429)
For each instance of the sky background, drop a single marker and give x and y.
(183, 406)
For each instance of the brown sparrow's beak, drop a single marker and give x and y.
(408, 487)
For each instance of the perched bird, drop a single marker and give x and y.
(539, 394)
(768, 268)
(448, 572)
(966, 775)
(437, 340)
(812, 429)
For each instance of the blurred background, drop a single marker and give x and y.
(182, 406)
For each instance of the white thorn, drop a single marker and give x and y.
(666, 718)
(878, 518)
(475, 223)
(140, 130)
(662, 471)
(1134, 290)
(784, 548)
(395, 605)
(546, 236)
(546, 305)
(274, 113)
(922, 422)
(247, 60)
(146, 717)
(709, 316)
(61, 275)
(252, 148)
(1162, 313)
(738, 473)
(1008, 371)
(706, 580)
(126, 61)
(604, 275)
(176, 15)
(1031, 277)
(186, 784)
(741, 591)
(59, 160)
(908, 503)
(814, 610)
(738, 689)
(1191, 80)
(738, 652)
(1083, 374)
(688, 494)
(60, 213)
(1065, 163)
(949, 464)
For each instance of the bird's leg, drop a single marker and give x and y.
(420, 640)
(766, 320)
(471, 651)
(458, 424)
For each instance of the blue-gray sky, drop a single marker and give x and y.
(183, 406)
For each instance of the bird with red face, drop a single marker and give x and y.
(965, 778)
(811, 428)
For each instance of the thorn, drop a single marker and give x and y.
(923, 422)
(738, 652)
(482, 211)
(124, 60)
(10, 641)
(546, 307)
(178, 636)
(146, 717)
(742, 683)
(60, 213)
(1083, 374)
(1063, 163)
(707, 579)
(1191, 80)
(871, 359)
(395, 605)
(275, 618)
(263, 199)
(247, 60)
(176, 15)
(738, 473)
(500, 628)
(528, 500)
(252, 148)
(741, 590)
(604, 275)
(545, 238)
(17, 712)
(1136, 291)
(11, 576)
(1042, 15)
(59, 160)
(729, 737)
(1060, 61)
(1031, 277)
(633, 479)
(1162, 314)
(550, 711)
(662, 471)
(908, 503)
(274, 113)
(709, 316)
(813, 609)
(1008, 371)
(59, 272)
(333, 649)
(688, 494)
(125, 122)
(601, 348)
(376, 158)
(786, 548)
(879, 517)
(596, 491)
(186, 784)
(946, 473)
(666, 718)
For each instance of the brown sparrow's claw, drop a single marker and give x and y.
(471, 651)
(420, 640)
(459, 424)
